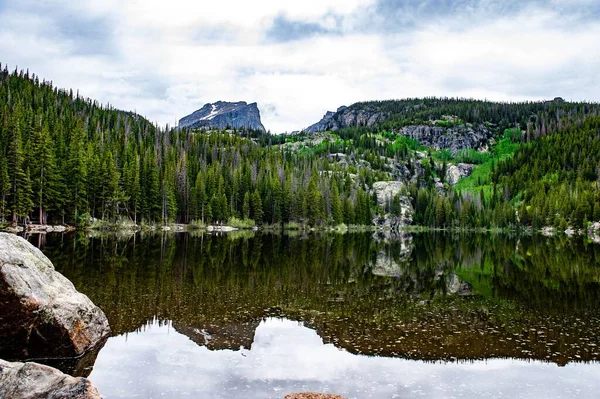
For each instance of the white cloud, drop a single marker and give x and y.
(166, 59)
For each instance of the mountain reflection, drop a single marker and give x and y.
(421, 296)
(286, 357)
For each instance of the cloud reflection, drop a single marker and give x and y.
(288, 357)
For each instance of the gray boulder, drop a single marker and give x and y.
(41, 312)
(456, 172)
(36, 381)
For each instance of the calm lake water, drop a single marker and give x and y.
(404, 316)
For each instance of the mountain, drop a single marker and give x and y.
(223, 115)
(326, 123)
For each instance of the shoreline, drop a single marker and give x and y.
(547, 231)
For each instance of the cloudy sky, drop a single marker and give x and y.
(298, 59)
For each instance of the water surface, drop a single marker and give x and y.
(260, 316)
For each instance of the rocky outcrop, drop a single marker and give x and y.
(326, 123)
(387, 190)
(41, 312)
(224, 115)
(36, 381)
(449, 138)
(456, 172)
(358, 115)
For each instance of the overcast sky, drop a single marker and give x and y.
(298, 59)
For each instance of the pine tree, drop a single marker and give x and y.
(18, 201)
(44, 173)
(337, 207)
(256, 210)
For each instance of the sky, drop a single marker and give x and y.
(298, 59)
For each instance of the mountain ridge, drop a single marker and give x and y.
(223, 115)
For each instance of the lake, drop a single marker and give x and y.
(363, 315)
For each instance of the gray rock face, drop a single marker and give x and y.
(36, 381)
(348, 117)
(223, 115)
(41, 312)
(455, 172)
(386, 191)
(449, 138)
(327, 123)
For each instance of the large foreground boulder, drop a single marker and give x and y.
(41, 312)
(36, 381)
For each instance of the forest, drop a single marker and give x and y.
(70, 160)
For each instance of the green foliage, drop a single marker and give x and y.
(241, 223)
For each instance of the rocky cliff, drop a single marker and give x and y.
(348, 117)
(326, 123)
(224, 115)
(453, 137)
(450, 138)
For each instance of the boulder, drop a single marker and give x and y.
(36, 381)
(455, 172)
(41, 312)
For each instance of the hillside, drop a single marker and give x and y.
(431, 162)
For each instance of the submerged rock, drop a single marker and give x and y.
(41, 312)
(36, 381)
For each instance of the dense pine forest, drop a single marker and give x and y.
(68, 159)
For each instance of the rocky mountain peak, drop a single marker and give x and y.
(223, 115)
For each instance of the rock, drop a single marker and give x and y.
(36, 381)
(224, 115)
(454, 286)
(15, 229)
(59, 229)
(41, 312)
(449, 138)
(548, 231)
(439, 186)
(387, 265)
(221, 228)
(312, 395)
(387, 190)
(355, 115)
(456, 172)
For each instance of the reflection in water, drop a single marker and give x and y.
(426, 297)
(286, 357)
